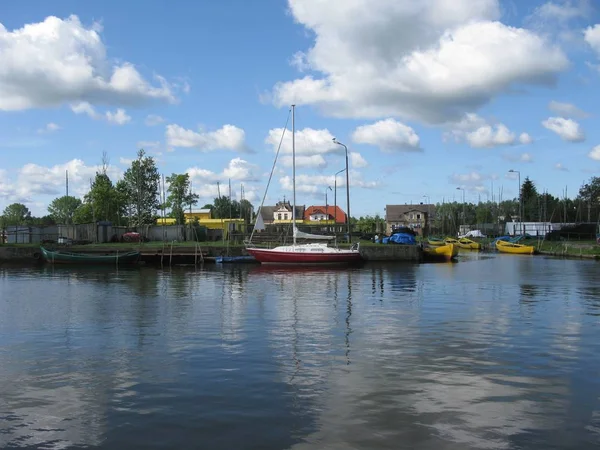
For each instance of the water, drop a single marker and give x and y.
(494, 352)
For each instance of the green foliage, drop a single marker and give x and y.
(62, 208)
(83, 214)
(369, 224)
(43, 221)
(180, 196)
(530, 199)
(246, 210)
(224, 208)
(16, 214)
(139, 190)
(103, 199)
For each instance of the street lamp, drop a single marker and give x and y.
(426, 197)
(335, 141)
(326, 208)
(463, 202)
(520, 200)
(335, 199)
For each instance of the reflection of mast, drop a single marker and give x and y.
(349, 313)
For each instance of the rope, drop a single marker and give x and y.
(271, 175)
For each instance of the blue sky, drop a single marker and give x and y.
(428, 96)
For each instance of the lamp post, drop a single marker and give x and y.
(335, 199)
(335, 141)
(326, 208)
(520, 200)
(426, 197)
(464, 219)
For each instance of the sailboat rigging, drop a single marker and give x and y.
(313, 253)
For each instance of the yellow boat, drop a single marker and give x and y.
(435, 242)
(468, 244)
(516, 249)
(450, 240)
(440, 253)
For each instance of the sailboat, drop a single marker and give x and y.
(313, 253)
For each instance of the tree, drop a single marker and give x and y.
(529, 198)
(62, 208)
(83, 214)
(370, 224)
(16, 214)
(590, 194)
(225, 208)
(180, 196)
(246, 209)
(139, 190)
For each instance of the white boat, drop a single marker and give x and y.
(314, 253)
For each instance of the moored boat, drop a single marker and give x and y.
(517, 249)
(450, 240)
(440, 253)
(435, 242)
(235, 259)
(468, 244)
(61, 257)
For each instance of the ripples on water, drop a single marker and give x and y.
(494, 352)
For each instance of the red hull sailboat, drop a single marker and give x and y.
(301, 254)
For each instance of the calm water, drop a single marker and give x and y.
(493, 352)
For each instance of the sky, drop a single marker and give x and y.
(428, 96)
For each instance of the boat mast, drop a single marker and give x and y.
(294, 173)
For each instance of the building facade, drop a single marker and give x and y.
(331, 214)
(417, 217)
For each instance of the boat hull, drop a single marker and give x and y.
(468, 244)
(56, 257)
(436, 242)
(440, 253)
(235, 259)
(272, 256)
(515, 249)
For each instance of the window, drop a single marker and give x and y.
(285, 217)
(418, 216)
(279, 216)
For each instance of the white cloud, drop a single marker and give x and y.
(592, 37)
(313, 161)
(119, 117)
(525, 139)
(34, 180)
(356, 160)
(523, 157)
(60, 61)
(153, 120)
(125, 161)
(562, 11)
(429, 60)
(595, 153)
(237, 169)
(567, 110)
(559, 166)
(148, 145)
(49, 128)
(567, 129)
(228, 137)
(311, 184)
(472, 181)
(474, 130)
(389, 135)
(308, 141)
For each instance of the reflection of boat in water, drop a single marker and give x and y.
(61, 257)
(298, 269)
(440, 253)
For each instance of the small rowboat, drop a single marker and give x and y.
(60, 257)
(435, 242)
(235, 259)
(440, 253)
(450, 240)
(468, 244)
(516, 249)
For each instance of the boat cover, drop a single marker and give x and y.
(400, 238)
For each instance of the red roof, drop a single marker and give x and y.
(337, 212)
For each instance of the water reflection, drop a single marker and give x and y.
(488, 353)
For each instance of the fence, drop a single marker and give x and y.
(103, 233)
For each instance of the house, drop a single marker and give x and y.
(281, 213)
(322, 213)
(416, 217)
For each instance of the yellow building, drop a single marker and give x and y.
(205, 220)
